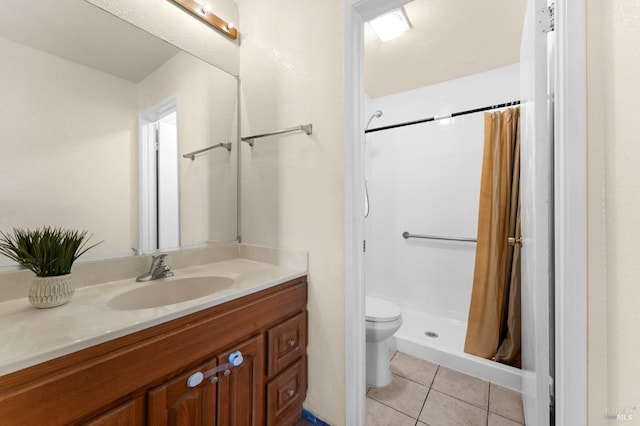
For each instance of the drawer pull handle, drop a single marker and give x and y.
(291, 392)
(291, 342)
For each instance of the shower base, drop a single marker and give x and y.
(447, 348)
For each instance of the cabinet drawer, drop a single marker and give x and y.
(287, 342)
(285, 394)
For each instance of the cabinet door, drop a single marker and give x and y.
(129, 413)
(176, 404)
(241, 392)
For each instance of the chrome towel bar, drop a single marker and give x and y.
(193, 154)
(407, 235)
(307, 128)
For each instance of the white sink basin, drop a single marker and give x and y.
(167, 292)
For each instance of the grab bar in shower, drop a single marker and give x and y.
(193, 154)
(307, 128)
(407, 235)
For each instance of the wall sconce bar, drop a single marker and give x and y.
(307, 128)
(193, 154)
(201, 12)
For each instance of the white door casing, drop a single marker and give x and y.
(537, 211)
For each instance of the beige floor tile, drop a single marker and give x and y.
(402, 394)
(462, 386)
(413, 368)
(496, 420)
(506, 402)
(380, 415)
(444, 410)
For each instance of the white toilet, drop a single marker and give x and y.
(383, 319)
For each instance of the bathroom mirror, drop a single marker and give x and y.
(83, 95)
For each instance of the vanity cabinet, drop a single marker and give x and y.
(231, 396)
(151, 377)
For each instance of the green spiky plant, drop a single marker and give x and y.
(47, 251)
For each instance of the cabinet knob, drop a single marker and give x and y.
(291, 342)
(291, 392)
(213, 379)
(227, 372)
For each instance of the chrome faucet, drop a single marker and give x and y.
(158, 269)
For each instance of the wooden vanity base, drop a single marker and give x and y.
(141, 378)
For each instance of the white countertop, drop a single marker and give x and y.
(29, 336)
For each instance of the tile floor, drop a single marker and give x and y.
(426, 394)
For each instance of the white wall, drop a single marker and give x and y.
(613, 64)
(292, 186)
(69, 148)
(207, 112)
(425, 179)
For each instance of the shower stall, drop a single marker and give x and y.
(423, 186)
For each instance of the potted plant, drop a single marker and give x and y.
(49, 253)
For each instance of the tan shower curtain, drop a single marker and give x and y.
(493, 329)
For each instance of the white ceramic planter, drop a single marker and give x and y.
(47, 292)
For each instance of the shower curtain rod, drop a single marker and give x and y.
(455, 114)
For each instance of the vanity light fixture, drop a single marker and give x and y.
(203, 12)
(390, 25)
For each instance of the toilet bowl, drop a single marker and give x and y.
(383, 319)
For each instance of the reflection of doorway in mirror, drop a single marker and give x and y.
(167, 206)
(159, 201)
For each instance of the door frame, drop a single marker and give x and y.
(570, 202)
(147, 169)
(570, 193)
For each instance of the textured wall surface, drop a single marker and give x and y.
(69, 143)
(292, 186)
(614, 202)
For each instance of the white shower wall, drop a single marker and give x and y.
(425, 179)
